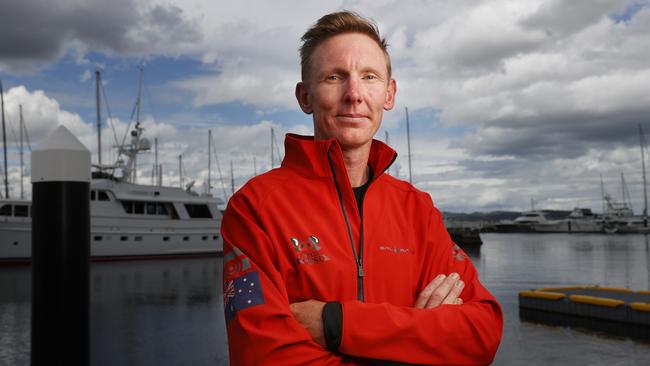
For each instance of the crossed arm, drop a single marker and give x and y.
(441, 290)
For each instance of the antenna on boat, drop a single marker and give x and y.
(4, 139)
(408, 141)
(532, 203)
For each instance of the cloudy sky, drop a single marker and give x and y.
(509, 100)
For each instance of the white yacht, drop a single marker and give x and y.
(128, 220)
(620, 218)
(583, 220)
(532, 222)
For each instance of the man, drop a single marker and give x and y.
(327, 259)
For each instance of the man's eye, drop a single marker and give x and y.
(370, 77)
(333, 77)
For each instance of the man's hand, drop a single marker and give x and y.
(309, 314)
(442, 290)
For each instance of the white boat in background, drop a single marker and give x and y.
(128, 220)
(620, 219)
(583, 220)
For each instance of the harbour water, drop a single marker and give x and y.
(170, 312)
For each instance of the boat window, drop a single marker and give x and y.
(165, 238)
(138, 207)
(198, 211)
(92, 195)
(162, 209)
(151, 208)
(102, 196)
(5, 210)
(124, 238)
(21, 211)
(97, 238)
(128, 206)
(138, 238)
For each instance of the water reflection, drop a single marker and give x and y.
(170, 312)
(162, 312)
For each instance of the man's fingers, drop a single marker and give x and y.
(443, 291)
(424, 296)
(454, 294)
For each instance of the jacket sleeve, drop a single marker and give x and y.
(261, 328)
(467, 334)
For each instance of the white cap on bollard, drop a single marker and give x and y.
(61, 158)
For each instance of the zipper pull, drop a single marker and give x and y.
(360, 270)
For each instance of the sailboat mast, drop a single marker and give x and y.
(645, 191)
(137, 123)
(602, 193)
(99, 118)
(157, 171)
(180, 170)
(272, 139)
(209, 159)
(4, 139)
(22, 172)
(232, 178)
(408, 140)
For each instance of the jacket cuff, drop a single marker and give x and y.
(333, 325)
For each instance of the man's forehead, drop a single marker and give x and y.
(343, 49)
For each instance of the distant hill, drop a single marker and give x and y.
(495, 216)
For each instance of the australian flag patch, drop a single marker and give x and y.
(242, 293)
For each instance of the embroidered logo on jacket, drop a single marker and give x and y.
(395, 250)
(459, 255)
(309, 252)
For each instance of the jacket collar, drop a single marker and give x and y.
(310, 157)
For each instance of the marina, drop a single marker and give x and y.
(128, 220)
(170, 312)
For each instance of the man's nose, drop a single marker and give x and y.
(353, 92)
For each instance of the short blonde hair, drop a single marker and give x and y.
(334, 24)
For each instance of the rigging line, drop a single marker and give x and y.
(29, 144)
(108, 110)
(216, 158)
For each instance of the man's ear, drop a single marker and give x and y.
(302, 96)
(390, 95)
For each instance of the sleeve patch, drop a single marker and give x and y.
(242, 293)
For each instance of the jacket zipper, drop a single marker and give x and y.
(358, 257)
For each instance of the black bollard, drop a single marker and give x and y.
(60, 251)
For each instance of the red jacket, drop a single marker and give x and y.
(290, 232)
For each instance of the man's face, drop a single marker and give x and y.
(347, 89)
